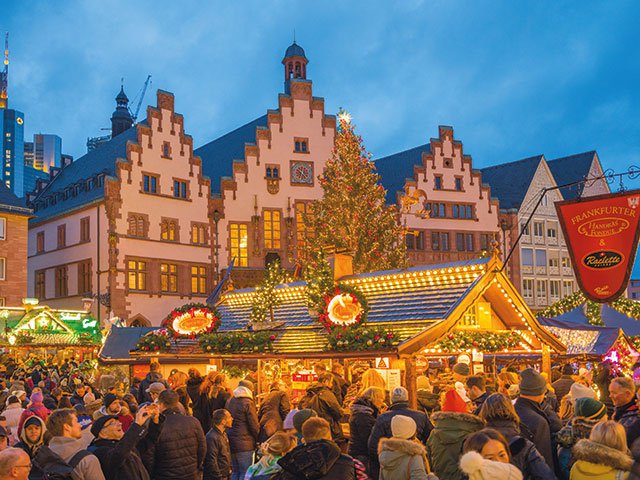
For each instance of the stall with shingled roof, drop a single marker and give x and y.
(49, 333)
(401, 316)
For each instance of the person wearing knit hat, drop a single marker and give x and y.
(110, 406)
(460, 372)
(451, 426)
(402, 456)
(528, 406)
(478, 468)
(578, 390)
(587, 413)
(302, 416)
(36, 407)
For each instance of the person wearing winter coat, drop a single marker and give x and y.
(116, 450)
(13, 413)
(364, 412)
(382, 428)
(36, 407)
(475, 467)
(588, 412)
(272, 450)
(428, 402)
(273, 410)
(31, 439)
(243, 435)
(564, 383)
(320, 397)
(193, 384)
(212, 395)
(154, 376)
(402, 457)
(217, 462)
(604, 456)
(622, 392)
(499, 414)
(533, 420)
(319, 457)
(450, 427)
(181, 447)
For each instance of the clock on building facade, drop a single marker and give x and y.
(302, 173)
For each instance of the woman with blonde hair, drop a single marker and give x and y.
(178, 382)
(604, 456)
(213, 395)
(370, 378)
(364, 412)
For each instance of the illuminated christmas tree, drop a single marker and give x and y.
(266, 299)
(352, 215)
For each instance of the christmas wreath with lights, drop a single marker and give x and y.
(192, 319)
(490, 342)
(155, 341)
(237, 342)
(343, 306)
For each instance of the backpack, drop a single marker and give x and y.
(55, 468)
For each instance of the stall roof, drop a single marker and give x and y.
(419, 304)
(588, 339)
(44, 326)
(120, 340)
(610, 317)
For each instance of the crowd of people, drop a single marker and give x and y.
(55, 423)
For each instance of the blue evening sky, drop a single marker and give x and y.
(514, 79)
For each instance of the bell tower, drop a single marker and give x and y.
(295, 65)
(121, 119)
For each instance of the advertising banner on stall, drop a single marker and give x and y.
(602, 237)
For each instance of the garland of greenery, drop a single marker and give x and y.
(237, 342)
(463, 341)
(233, 371)
(360, 337)
(340, 289)
(24, 338)
(593, 310)
(155, 341)
(191, 308)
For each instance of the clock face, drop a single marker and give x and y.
(302, 173)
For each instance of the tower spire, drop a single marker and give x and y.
(4, 76)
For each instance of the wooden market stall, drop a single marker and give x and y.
(412, 316)
(48, 334)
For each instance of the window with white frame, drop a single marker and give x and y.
(3, 228)
(541, 290)
(527, 288)
(554, 288)
(3, 268)
(538, 229)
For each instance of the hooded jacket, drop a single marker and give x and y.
(193, 388)
(26, 445)
(273, 410)
(595, 461)
(361, 421)
(319, 460)
(243, 435)
(13, 413)
(445, 442)
(34, 409)
(402, 459)
(88, 468)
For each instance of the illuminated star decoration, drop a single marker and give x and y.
(344, 117)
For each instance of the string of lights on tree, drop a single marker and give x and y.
(592, 309)
(265, 298)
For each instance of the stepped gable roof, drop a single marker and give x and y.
(394, 170)
(9, 202)
(102, 160)
(571, 169)
(510, 182)
(218, 155)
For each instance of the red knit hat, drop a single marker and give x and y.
(454, 403)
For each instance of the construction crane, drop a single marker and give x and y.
(134, 114)
(4, 76)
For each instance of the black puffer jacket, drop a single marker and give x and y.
(217, 463)
(361, 421)
(320, 460)
(243, 435)
(120, 460)
(180, 450)
(535, 426)
(524, 453)
(152, 377)
(204, 406)
(628, 417)
(273, 410)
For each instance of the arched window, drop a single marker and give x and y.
(298, 70)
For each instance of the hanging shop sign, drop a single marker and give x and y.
(344, 309)
(602, 236)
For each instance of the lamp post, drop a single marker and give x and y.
(216, 219)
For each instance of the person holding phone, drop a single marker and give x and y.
(118, 451)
